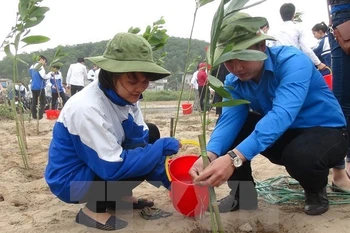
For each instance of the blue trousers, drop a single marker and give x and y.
(341, 72)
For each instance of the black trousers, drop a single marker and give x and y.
(106, 194)
(38, 95)
(307, 155)
(55, 97)
(75, 89)
(201, 91)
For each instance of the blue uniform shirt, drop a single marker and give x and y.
(291, 94)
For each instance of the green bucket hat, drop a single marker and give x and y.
(239, 32)
(128, 52)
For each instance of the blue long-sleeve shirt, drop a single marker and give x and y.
(291, 94)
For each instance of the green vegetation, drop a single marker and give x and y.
(168, 95)
(6, 112)
(174, 61)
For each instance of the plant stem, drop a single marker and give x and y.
(186, 67)
(214, 209)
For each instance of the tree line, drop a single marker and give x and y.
(175, 48)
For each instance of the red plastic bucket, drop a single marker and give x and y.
(186, 109)
(52, 114)
(187, 198)
(329, 80)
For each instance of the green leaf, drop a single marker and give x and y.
(235, 6)
(215, 29)
(8, 52)
(134, 30)
(23, 8)
(39, 11)
(31, 22)
(204, 2)
(230, 103)
(239, 5)
(35, 39)
(218, 87)
(161, 21)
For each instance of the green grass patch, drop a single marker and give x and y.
(168, 95)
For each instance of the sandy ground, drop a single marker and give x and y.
(27, 205)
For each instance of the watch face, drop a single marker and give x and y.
(237, 162)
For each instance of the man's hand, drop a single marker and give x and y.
(215, 174)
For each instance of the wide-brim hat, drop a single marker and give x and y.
(239, 32)
(128, 52)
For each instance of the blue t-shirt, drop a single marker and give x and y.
(291, 94)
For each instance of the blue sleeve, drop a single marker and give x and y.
(227, 129)
(136, 162)
(294, 75)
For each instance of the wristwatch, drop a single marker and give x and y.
(236, 160)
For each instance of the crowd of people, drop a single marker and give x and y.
(47, 90)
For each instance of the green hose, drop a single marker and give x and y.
(286, 190)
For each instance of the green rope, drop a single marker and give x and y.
(286, 190)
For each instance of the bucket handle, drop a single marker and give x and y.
(183, 142)
(330, 70)
(187, 108)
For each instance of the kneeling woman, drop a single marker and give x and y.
(101, 147)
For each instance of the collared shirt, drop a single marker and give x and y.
(291, 94)
(292, 34)
(77, 74)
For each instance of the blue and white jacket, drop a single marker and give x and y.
(37, 73)
(323, 52)
(89, 138)
(56, 81)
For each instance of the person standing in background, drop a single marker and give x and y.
(194, 86)
(202, 79)
(322, 49)
(93, 74)
(340, 14)
(38, 75)
(55, 77)
(292, 34)
(76, 76)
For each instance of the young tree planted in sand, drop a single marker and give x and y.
(29, 14)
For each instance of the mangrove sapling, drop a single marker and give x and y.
(29, 14)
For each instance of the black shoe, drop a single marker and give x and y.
(231, 203)
(316, 203)
(113, 223)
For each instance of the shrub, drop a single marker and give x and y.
(6, 112)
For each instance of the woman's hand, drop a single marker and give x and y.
(215, 174)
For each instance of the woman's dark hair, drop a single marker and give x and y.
(320, 27)
(287, 11)
(106, 78)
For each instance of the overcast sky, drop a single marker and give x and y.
(72, 22)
